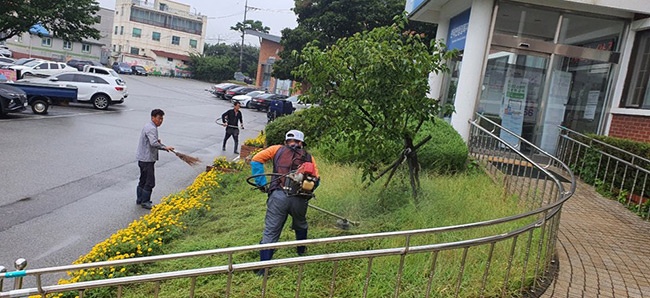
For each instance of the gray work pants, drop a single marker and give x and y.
(278, 207)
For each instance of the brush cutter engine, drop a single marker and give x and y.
(302, 181)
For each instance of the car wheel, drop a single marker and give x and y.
(40, 106)
(27, 75)
(248, 104)
(101, 101)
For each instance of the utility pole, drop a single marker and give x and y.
(243, 34)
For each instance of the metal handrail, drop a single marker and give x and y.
(634, 156)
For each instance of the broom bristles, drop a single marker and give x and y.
(190, 160)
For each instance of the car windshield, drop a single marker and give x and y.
(123, 65)
(113, 73)
(254, 93)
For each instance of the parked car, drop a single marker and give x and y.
(122, 68)
(5, 51)
(139, 70)
(103, 71)
(262, 102)
(7, 60)
(12, 99)
(41, 68)
(100, 90)
(237, 91)
(79, 64)
(41, 96)
(297, 103)
(245, 99)
(220, 89)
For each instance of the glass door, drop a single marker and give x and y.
(512, 91)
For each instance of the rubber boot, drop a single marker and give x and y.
(265, 255)
(301, 235)
(138, 192)
(146, 199)
(235, 151)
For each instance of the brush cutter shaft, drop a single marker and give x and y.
(354, 223)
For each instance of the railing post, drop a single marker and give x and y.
(20, 264)
(2, 270)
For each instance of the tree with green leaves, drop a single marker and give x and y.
(326, 21)
(219, 62)
(373, 89)
(250, 25)
(71, 20)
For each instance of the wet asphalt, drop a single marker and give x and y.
(68, 179)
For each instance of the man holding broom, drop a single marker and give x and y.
(147, 155)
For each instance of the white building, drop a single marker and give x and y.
(39, 43)
(533, 65)
(159, 35)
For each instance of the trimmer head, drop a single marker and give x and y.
(343, 224)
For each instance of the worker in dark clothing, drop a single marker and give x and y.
(281, 202)
(231, 120)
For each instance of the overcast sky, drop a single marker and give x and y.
(222, 14)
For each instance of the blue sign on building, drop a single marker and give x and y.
(458, 31)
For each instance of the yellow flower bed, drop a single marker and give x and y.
(146, 236)
(220, 162)
(259, 141)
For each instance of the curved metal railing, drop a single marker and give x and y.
(504, 264)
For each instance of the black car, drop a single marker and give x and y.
(263, 101)
(220, 90)
(12, 99)
(139, 70)
(238, 91)
(79, 64)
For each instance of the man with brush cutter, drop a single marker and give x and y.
(295, 177)
(147, 155)
(230, 120)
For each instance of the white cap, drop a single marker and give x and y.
(295, 135)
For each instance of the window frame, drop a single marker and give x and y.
(637, 88)
(86, 48)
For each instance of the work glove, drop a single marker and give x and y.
(257, 168)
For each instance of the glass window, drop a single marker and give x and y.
(42, 66)
(46, 42)
(54, 66)
(121, 30)
(137, 32)
(579, 31)
(193, 43)
(135, 51)
(155, 36)
(67, 45)
(176, 40)
(115, 30)
(85, 48)
(526, 21)
(636, 92)
(68, 77)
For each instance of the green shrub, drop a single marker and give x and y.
(310, 121)
(446, 152)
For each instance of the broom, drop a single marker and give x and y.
(190, 160)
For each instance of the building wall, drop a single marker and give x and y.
(123, 39)
(630, 127)
(268, 52)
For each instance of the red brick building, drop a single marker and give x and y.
(269, 53)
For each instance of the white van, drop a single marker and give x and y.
(103, 71)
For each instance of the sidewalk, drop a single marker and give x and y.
(603, 249)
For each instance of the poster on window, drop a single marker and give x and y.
(592, 103)
(512, 109)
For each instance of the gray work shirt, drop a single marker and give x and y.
(148, 145)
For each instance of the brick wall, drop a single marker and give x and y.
(630, 127)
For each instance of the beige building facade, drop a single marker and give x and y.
(159, 35)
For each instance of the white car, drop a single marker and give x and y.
(42, 68)
(102, 70)
(100, 90)
(245, 99)
(5, 51)
(297, 104)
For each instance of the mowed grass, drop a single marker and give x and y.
(237, 219)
